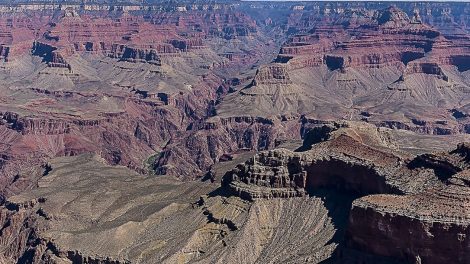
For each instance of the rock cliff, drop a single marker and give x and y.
(400, 194)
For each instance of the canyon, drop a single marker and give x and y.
(234, 132)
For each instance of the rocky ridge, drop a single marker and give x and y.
(399, 193)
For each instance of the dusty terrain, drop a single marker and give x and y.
(234, 132)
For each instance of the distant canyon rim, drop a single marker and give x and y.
(234, 132)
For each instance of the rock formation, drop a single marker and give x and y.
(234, 132)
(432, 216)
(400, 194)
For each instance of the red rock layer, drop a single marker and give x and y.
(381, 38)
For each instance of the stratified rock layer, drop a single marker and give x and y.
(412, 208)
(434, 222)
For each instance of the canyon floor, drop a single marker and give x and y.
(234, 132)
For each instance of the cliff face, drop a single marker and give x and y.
(383, 38)
(273, 74)
(433, 216)
(373, 219)
(343, 162)
(49, 55)
(135, 55)
(62, 31)
(400, 194)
